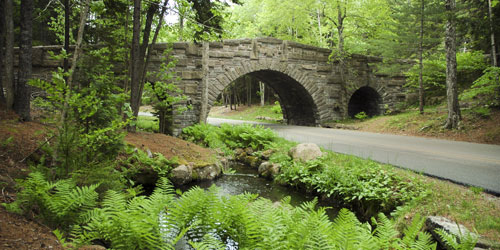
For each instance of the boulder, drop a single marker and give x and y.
(267, 154)
(207, 173)
(182, 174)
(305, 152)
(438, 222)
(249, 151)
(269, 170)
(253, 161)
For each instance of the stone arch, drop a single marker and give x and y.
(297, 93)
(365, 99)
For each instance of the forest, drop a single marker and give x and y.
(80, 174)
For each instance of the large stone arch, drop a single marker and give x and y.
(298, 94)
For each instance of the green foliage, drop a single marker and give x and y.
(206, 135)
(367, 186)
(147, 123)
(277, 108)
(469, 66)
(139, 160)
(361, 115)
(91, 130)
(128, 223)
(465, 242)
(229, 137)
(205, 218)
(481, 112)
(60, 203)
(485, 89)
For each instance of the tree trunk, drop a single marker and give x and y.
(454, 115)
(2, 58)
(153, 42)
(262, 93)
(9, 54)
(319, 28)
(127, 45)
(420, 60)
(135, 69)
(138, 56)
(494, 61)
(340, 29)
(66, 35)
(76, 54)
(181, 28)
(23, 90)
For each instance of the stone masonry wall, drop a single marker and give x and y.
(311, 88)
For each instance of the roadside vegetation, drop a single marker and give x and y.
(363, 185)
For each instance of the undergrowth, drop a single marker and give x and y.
(207, 220)
(364, 185)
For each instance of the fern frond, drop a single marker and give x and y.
(385, 232)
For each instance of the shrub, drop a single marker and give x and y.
(361, 115)
(485, 89)
(277, 108)
(363, 184)
(229, 137)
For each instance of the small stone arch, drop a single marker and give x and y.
(365, 99)
(297, 94)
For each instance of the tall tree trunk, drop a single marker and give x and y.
(262, 93)
(138, 55)
(420, 60)
(494, 61)
(340, 28)
(135, 70)
(23, 90)
(454, 115)
(181, 28)
(66, 35)
(2, 53)
(319, 27)
(76, 54)
(9, 54)
(127, 45)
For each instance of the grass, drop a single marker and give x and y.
(476, 210)
(475, 127)
(246, 113)
(147, 123)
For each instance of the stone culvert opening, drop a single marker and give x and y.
(296, 102)
(365, 99)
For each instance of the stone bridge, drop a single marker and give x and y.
(312, 89)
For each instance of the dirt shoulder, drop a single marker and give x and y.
(473, 129)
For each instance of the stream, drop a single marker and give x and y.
(246, 180)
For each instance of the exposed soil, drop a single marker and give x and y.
(171, 147)
(223, 111)
(18, 232)
(478, 130)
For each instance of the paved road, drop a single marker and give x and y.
(461, 162)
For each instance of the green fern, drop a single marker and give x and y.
(465, 242)
(385, 232)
